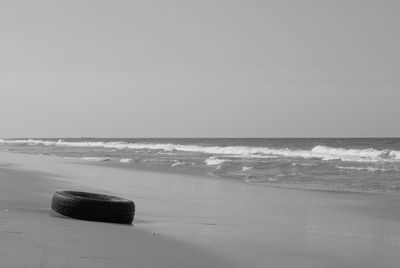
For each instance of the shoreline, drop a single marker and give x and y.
(244, 225)
(208, 171)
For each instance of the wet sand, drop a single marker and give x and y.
(31, 235)
(189, 221)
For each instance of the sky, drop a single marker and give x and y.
(220, 68)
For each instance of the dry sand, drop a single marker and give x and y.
(189, 221)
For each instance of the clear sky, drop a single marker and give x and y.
(208, 68)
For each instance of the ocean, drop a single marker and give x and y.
(356, 165)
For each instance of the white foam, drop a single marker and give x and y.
(369, 169)
(246, 168)
(177, 163)
(356, 155)
(95, 159)
(249, 180)
(125, 160)
(212, 161)
(28, 142)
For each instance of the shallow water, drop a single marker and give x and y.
(365, 165)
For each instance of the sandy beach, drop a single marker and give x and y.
(240, 134)
(188, 221)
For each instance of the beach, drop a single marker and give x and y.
(188, 220)
(239, 134)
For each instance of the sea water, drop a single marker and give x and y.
(363, 165)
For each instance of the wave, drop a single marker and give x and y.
(319, 152)
(255, 179)
(212, 161)
(369, 169)
(125, 160)
(246, 168)
(178, 163)
(356, 155)
(95, 159)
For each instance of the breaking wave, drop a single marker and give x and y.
(319, 151)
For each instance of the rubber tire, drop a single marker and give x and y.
(93, 207)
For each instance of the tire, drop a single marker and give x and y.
(93, 207)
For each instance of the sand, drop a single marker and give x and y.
(189, 221)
